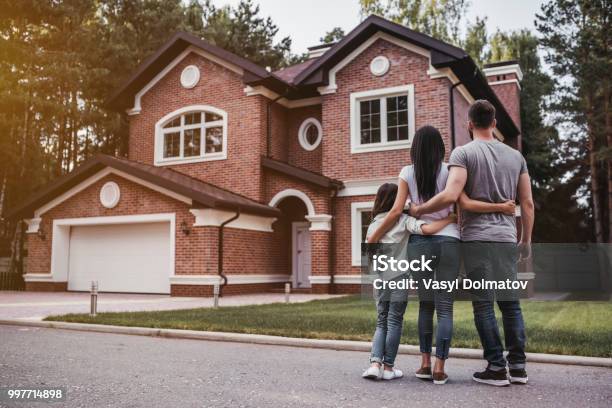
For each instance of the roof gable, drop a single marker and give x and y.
(178, 185)
(122, 98)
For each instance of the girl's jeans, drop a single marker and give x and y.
(447, 254)
(391, 306)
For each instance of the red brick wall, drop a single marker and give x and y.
(221, 88)
(245, 251)
(509, 95)
(195, 254)
(462, 135)
(297, 155)
(431, 108)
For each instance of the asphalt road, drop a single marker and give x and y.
(112, 370)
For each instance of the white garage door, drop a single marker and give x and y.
(122, 258)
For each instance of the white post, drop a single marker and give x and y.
(93, 310)
(216, 295)
(287, 292)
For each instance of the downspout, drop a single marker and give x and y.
(220, 252)
(452, 113)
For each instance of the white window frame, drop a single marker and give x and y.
(356, 209)
(382, 94)
(302, 134)
(160, 131)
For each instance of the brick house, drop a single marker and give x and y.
(248, 178)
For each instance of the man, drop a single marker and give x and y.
(488, 170)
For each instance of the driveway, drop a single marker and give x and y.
(37, 305)
(114, 370)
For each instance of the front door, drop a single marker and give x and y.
(301, 255)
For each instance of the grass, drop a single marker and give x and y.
(573, 328)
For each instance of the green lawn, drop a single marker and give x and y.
(578, 328)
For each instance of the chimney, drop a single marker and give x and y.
(318, 50)
(504, 78)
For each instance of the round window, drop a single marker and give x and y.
(110, 194)
(310, 134)
(190, 76)
(379, 65)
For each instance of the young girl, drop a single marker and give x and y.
(391, 304)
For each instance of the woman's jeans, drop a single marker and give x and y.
(446, 251)
(391, 306)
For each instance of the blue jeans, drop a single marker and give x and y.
(497, 261)
(447, 253)
(391, 306)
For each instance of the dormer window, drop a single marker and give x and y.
(191, 134)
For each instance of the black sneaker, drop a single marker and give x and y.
(497, 378)
(518, 376)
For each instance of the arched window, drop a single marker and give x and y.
(191, 134)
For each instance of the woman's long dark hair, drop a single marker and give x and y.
(385, 197)
(427, 153)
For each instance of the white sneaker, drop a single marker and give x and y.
(392, 375)
(373, 373)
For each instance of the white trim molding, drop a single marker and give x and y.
(350, 279)
(356, 209)
(331, 86)
(504, 69)
(160, 131)
(319, 279)
(39, 277)
(302, 136)
(291, 192)
(33, 225)
(136, 109)
(60, 243)
(232, 279)
(319, 222)
(506, 81)
(382, 94)
(100, 175)
(209, 217)
(363, 187)
(287, 103)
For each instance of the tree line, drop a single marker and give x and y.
(61, 59)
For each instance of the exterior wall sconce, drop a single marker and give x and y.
(185, 228)
(41, 233)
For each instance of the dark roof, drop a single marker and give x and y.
(203, 194)
(300, 174)
(289, 73)
(318, 47)
(443, 55)
(302, 80)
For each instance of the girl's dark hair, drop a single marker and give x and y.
(427, 153)
(385, 197)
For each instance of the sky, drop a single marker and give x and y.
(306, 21)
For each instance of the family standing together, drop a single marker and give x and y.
(484, 178)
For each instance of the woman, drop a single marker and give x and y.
(419, 182)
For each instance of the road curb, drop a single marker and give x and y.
(338, 345)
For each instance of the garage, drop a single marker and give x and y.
(134, 258)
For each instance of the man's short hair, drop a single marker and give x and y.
(482, 114)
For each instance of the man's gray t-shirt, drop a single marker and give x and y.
(493, 171)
